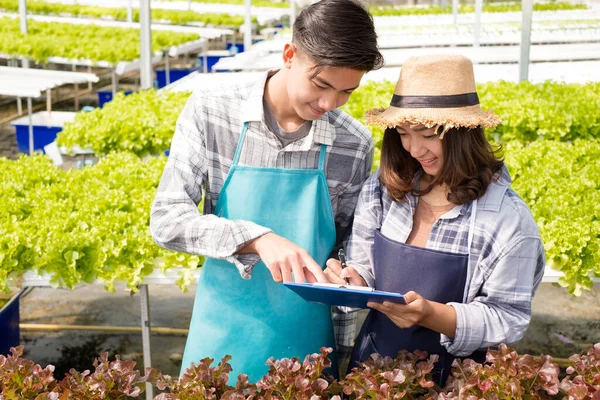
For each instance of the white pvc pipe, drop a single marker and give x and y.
(30, 126)
(455, 11)
(248, 25)
(23, 15)
(477, 29)
(292, 12)
(145, 45)
(145, 311)
(527, 14)
(167, 73)
(130, 11)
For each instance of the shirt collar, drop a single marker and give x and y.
(321, 131)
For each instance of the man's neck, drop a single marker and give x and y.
(277, 99)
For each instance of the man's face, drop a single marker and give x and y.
(310, 96)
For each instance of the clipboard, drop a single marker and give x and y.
(342, 295)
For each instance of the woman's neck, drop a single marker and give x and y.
(438, 196)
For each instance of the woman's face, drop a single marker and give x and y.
(424, 145)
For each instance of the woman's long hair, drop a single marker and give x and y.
(470, 163)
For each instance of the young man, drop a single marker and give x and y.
(281, 167)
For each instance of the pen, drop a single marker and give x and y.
(342, 257)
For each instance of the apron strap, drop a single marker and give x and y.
(469, 245)
(322, 155)
(238, 149)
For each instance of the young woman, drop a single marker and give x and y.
(439, 223)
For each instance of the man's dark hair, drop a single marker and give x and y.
(338, 34)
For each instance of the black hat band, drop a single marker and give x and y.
(450, 101)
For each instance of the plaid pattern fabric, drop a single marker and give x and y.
(507, 257)
(202, 151)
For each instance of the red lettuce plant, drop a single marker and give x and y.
(408, 376)
(203, 382)
(506, 375)
(23, 379)
(114, 380)
(583, 380)
(289, 378)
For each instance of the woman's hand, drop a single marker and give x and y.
(336, 274)
(406, 315)
(419, 311)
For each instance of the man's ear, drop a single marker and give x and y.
(290, 52)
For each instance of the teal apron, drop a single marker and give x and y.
(255, 319)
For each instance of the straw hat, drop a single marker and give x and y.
(436, 91)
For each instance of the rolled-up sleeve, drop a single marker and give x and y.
(501, 311)
(176, 222)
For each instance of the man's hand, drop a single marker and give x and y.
(336, 274)
(283, 258)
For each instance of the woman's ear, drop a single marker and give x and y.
(290, 52)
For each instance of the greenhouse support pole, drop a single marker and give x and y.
(167, 73)
(248, 25)
(527, 11)
(292, 12)
(145, 311)
(114, 82)
(130, 11)
(89, 83)
(189, 5)
(19, 106)
(23, 19)
(76, 91)
(477, 29)
(23, 15)
(455, 11)
(30, 126)
(48, 100)
(145, 44)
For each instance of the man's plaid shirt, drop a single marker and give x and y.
(202, 151)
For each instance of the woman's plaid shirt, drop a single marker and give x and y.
(507, 257)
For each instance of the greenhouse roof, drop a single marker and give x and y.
(24, 82)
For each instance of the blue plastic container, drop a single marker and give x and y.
(210, 61)
(45, 128)
(239, 47)
(174, 75)
(104, 96)
(42, 136)
(9, 325)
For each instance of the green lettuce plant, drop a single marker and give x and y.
(83, 225)
(80, 42)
